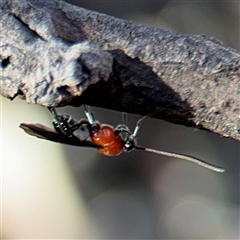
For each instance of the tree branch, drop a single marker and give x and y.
(56, 54)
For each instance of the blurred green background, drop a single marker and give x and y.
(55, 191)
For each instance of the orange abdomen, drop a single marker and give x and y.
(112, 144)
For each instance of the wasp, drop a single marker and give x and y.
(105, 138)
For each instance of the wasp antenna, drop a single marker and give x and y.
(139, 122)
(197, 161)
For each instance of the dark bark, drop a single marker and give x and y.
(57, 54)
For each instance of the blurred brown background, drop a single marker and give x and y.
(55, 191)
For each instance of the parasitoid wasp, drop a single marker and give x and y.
(105, 138)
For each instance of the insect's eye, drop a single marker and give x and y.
(129, 144)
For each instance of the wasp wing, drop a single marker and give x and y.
(44, 132)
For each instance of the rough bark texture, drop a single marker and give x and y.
(56, 54)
